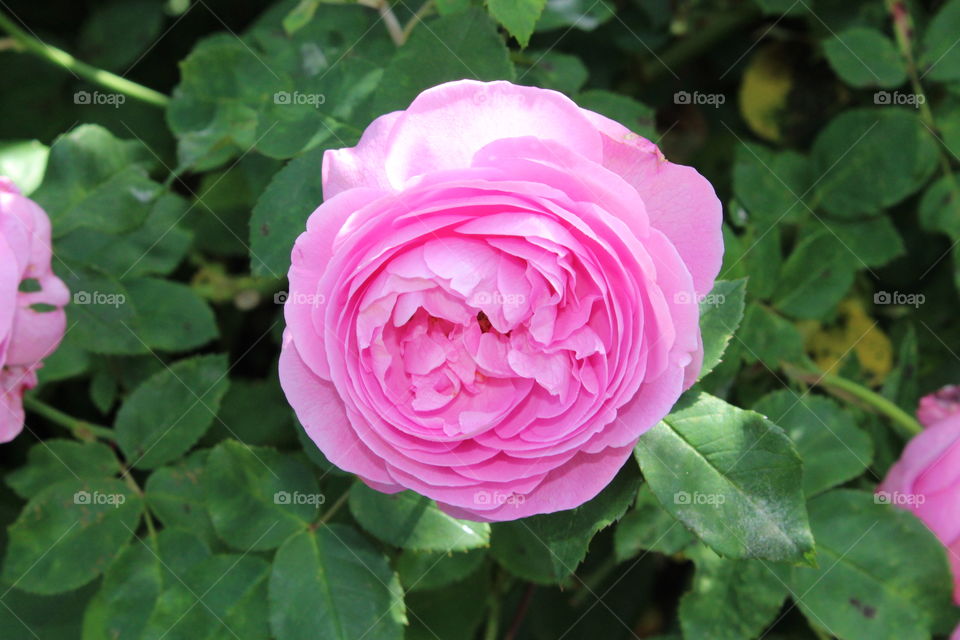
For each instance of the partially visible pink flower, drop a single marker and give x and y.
(32, 297)
(498, 296)
(926, 480)
(939, 406)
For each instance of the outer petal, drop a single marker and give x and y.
(323, 416)
(13, 382)
(362, 165)
(446, 125)
(680, 201)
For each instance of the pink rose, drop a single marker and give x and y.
(940, 405)
(496, 299)
(29, 329)
(926, 480)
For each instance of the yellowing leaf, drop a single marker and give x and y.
(763, 94)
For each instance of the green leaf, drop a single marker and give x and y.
(332, 583)
(300, 16)
(157, 246)
(862, 591)
(816, 277)
(864, 57)
(729, 599)
(463, 45)
(649, 527)
(257, 497)
(831, 445)
(426, 570)
(585, 15)
(117, 34)
(452, 613)
(940, 206)
(872, 243)
(96, 180)
(636, 116)
(412, 521)
(768, 337)
(223, 597)
(29, 616)
(901, 385)
(720, 314)
(175, 494)
(281, 212)
(171, 410)
(553, 70)
(770, 184)
(731, 476)
(255, 412)
(547, 548)
(276, 92)
(940, 57)
(50, 461)
(131, 585)
(519, 17)
(870, 159)
(24, 162)
(178, 319)
(68, 533)
(102, 316)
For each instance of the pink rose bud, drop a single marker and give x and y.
(497, 297)
(939, 406)
(32, 297)
(926, 480)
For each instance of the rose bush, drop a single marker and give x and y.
(926, 479)
(32, 297)
(497, 297)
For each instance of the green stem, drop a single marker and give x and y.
(716, 29)
(493, 617)
(329, 513)
(93, 74)
(903, 29)
(147, 518)
(906, 424)
(81, 429)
